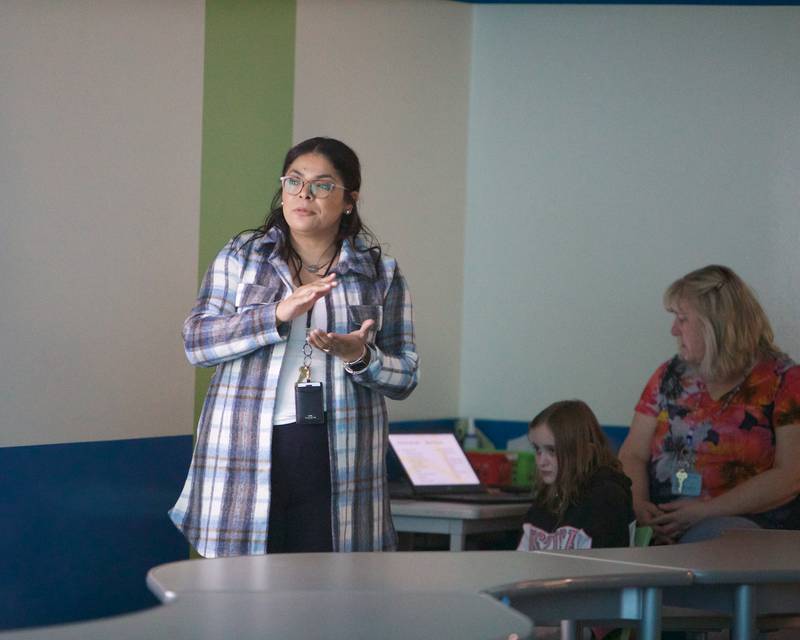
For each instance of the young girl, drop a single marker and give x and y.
(581, 499)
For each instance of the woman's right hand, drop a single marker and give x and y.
(304, 297)
(635, 456)
(646, 512)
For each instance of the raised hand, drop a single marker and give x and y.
(304, 297)
(346, 346)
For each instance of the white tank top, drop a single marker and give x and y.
(284, 412)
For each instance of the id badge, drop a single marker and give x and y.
(308, 403)
(687, 483)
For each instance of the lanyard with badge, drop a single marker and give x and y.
(307, 394)
(686, 481)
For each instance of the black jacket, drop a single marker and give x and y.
(603, 510)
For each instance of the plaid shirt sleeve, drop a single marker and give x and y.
(393, 368)
(218, 329)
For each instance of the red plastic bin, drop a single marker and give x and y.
(491, 468)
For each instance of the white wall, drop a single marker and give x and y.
(391, 79)
(607, 149)
(100, 114)
(611, 150)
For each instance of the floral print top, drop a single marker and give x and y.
(732, 438)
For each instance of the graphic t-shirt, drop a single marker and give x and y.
(601, 517)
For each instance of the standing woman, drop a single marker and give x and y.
(310, 328)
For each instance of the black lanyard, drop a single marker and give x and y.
(324, 275)
(305, 370)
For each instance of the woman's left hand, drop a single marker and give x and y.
(680, 515)
(346, 346)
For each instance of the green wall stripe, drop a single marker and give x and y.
(248, 94)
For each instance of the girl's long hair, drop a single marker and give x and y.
(581, 448)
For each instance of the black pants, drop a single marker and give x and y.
(300, 507)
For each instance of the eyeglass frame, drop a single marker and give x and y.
(312, 186)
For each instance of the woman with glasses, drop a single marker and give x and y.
(309, 326)
(716, 434)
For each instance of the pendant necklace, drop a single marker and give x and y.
(319, 265)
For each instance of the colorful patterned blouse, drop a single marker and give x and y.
(732, 438)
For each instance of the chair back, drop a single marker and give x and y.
(642, 537)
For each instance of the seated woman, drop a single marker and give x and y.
(714, 441)
(581, 498)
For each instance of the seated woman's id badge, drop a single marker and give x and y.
(685, 480)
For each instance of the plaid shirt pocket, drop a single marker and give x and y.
(250, 295)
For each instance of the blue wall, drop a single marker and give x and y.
(501, 431)
(81, 524)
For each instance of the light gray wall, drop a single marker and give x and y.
(607, 149)
(100, 113)
(391, 79)
(611, 150)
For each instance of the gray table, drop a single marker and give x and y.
(542, 586)
(744, 573)
(298, 615)
(387, 595)
(456, 519)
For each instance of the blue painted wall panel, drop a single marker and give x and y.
(501, 431)
(80, 525)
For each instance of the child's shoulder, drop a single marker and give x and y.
(607, 484)
(540, 516)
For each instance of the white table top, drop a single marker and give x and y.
(361, 595)
(333, 615)
(417, 594)
(738, 556)
(470, 571)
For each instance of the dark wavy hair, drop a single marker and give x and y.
(348, 167)
(581, 449)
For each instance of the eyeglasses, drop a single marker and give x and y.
(317, 188)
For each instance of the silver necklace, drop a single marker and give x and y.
(312, 268)
(319, 265)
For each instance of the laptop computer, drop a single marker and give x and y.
(438, 469)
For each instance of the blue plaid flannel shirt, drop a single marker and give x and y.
(223, 509)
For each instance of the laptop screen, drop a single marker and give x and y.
(433, 460)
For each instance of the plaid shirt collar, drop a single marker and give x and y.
(356, 258)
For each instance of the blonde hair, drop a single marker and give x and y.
(581, 448)
(736, 330)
